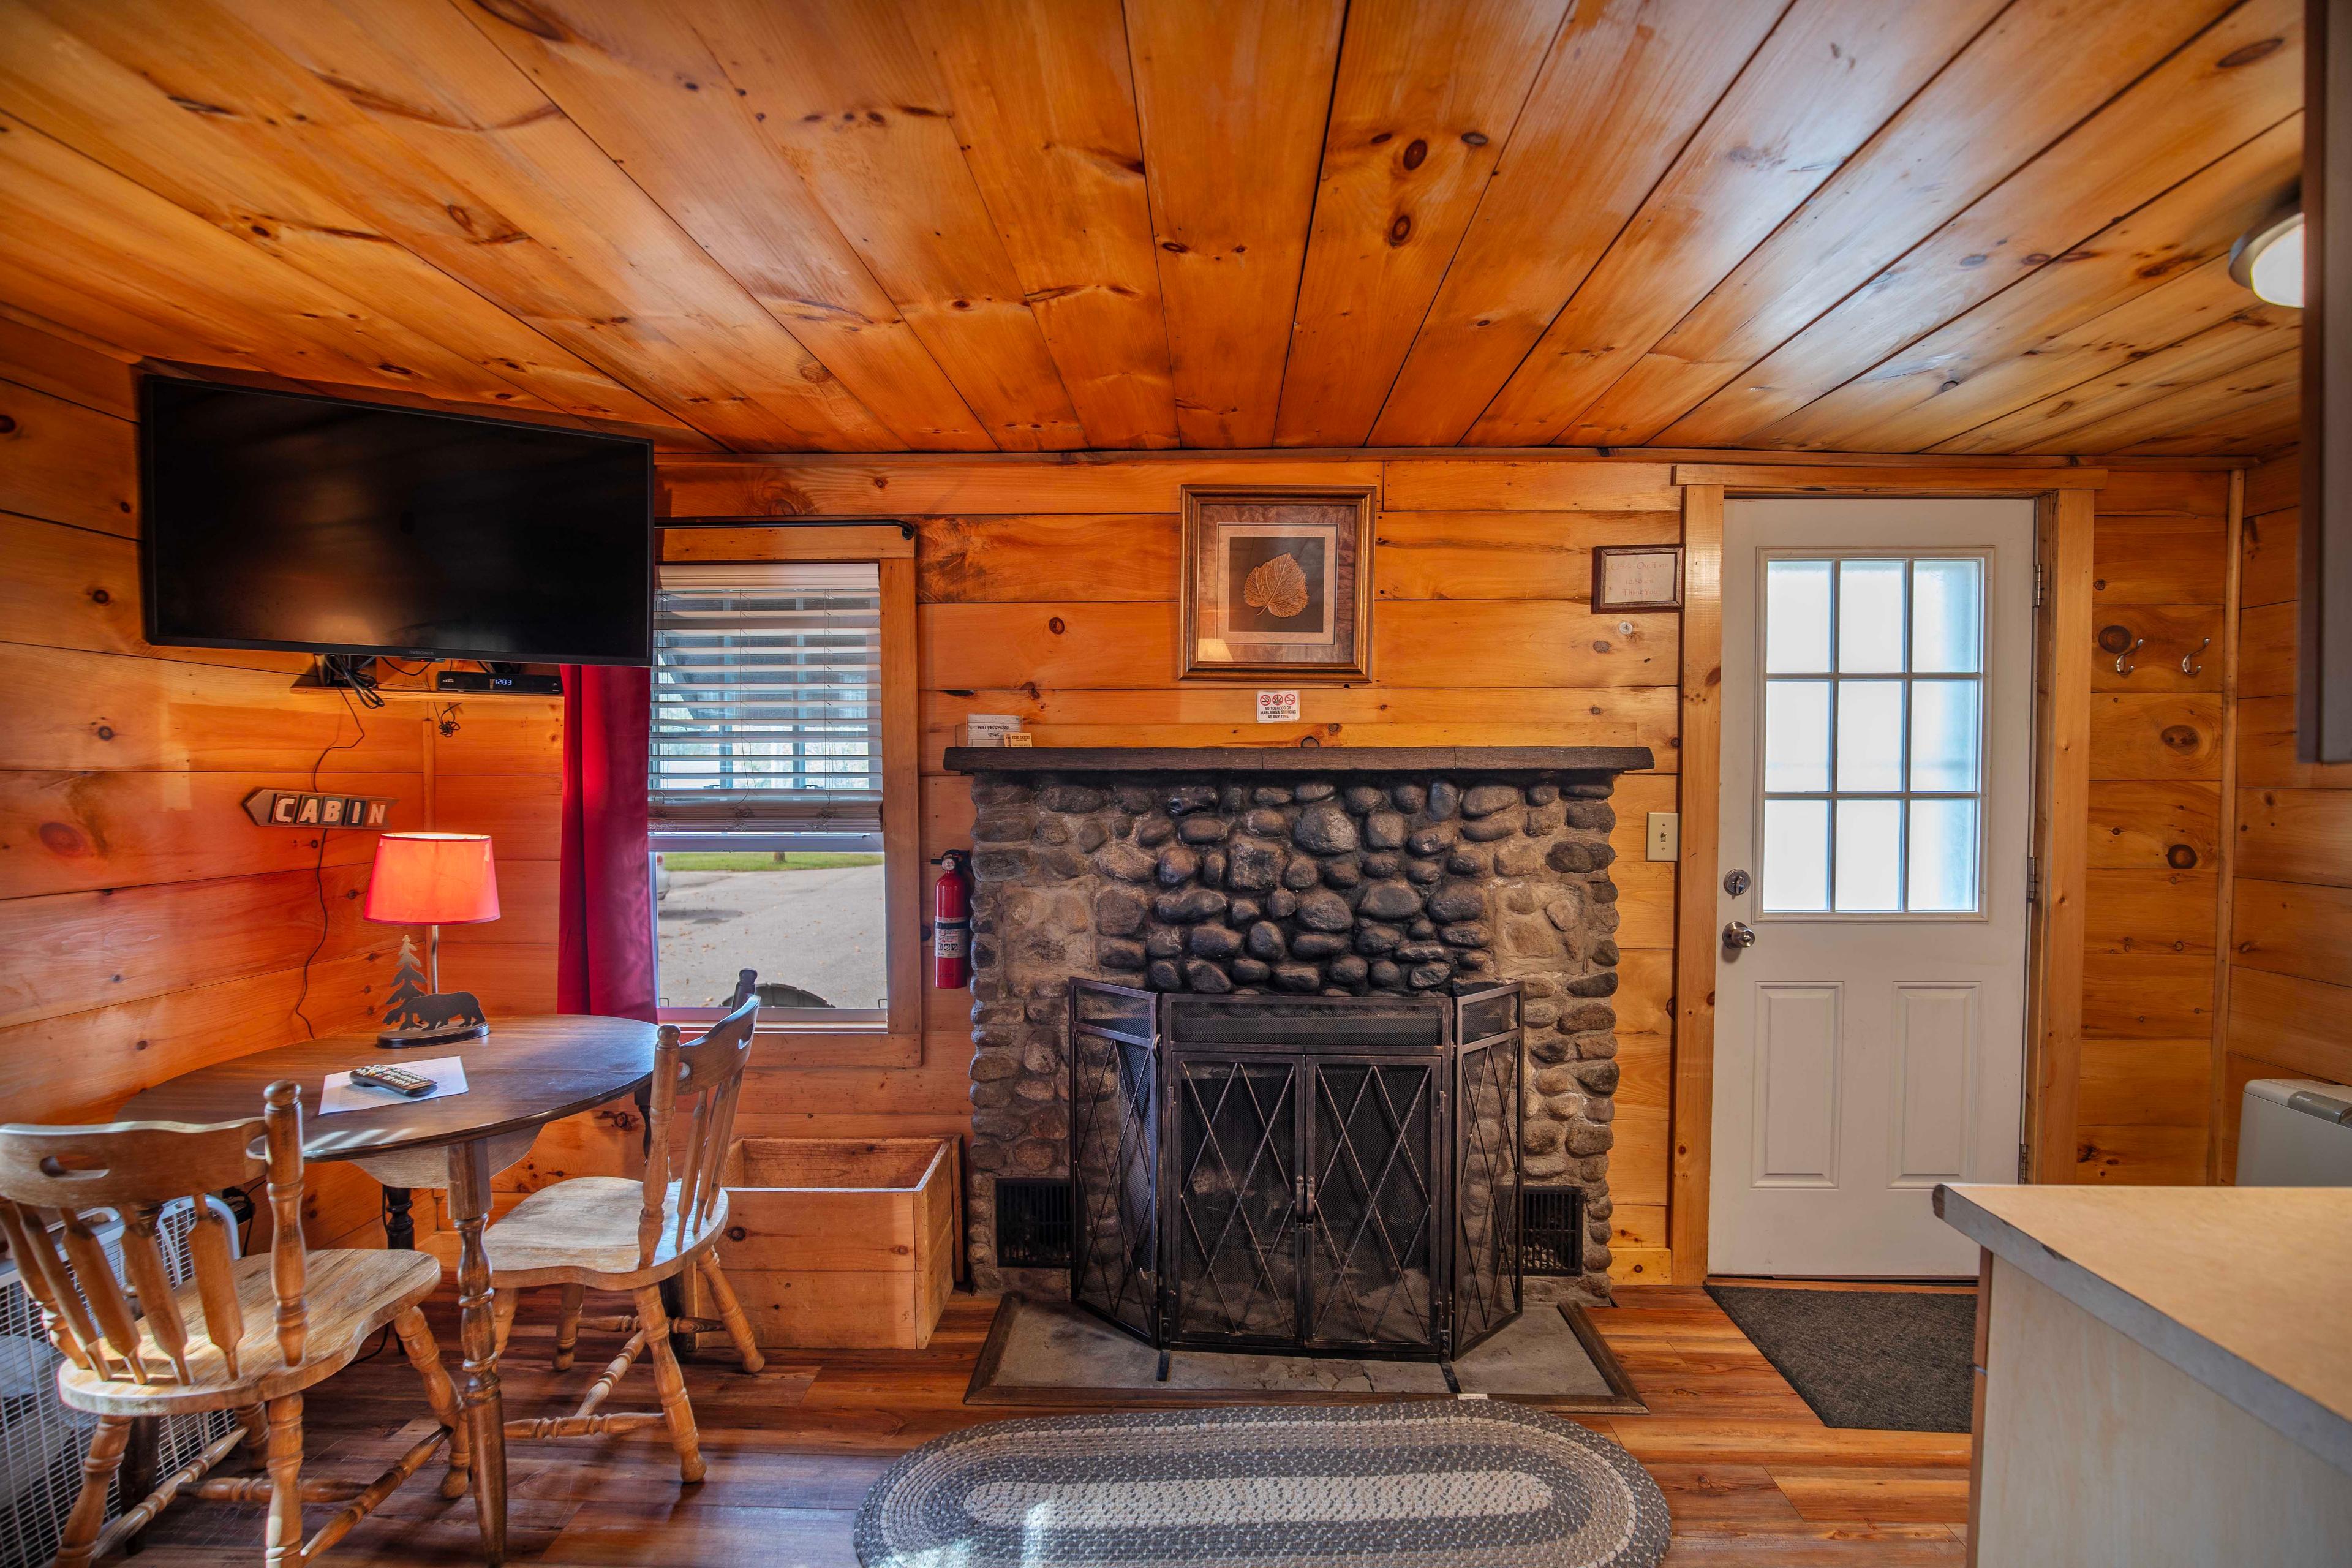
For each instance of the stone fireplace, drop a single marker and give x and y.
(1356, 872)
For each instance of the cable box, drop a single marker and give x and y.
(513, 685)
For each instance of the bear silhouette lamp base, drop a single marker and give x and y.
(420, 1017)
(431, 880)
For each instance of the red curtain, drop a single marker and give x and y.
(604, 944)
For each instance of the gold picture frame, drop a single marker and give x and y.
(1277, 582)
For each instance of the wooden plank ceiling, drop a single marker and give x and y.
(1886, 225)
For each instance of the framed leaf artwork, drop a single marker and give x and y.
(1277, 581)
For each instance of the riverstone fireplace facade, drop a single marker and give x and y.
(1338, 873)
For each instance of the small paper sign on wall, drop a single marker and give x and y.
(1277, 707)
(1637, 577)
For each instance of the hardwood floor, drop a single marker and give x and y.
(1751, 1474)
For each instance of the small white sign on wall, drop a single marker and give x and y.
(1277, 707)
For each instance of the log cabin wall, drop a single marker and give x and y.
(1049, 590)
(2160, 556)
(2289, 1007)
(148, 927)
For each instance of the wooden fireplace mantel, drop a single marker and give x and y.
(1298, 759)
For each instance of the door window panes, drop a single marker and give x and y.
(1872, 744)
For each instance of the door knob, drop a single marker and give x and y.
(1738, 934)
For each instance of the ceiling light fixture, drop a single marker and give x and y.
(2268, 258)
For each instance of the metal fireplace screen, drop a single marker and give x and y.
(1332, 1174)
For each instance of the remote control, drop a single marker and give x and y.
(400, 1081)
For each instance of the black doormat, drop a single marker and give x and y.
(1893, 1361)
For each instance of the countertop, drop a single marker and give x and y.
(2247, 1289)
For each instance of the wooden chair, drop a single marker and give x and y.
(610, 1233)
(272, 1326)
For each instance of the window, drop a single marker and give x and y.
(782, 739)
(1873, 735)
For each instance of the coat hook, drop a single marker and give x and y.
(2124, 659)
(2188, 666)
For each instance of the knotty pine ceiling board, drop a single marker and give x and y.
(868, 225)
(640, 80)
(1984, 361)
(135, 127)
(1233, 97)
(2016, 88)
(1044, 100)
(1428, 92)
(2225, 88)
(842, 90)
(1625, 86)
(1829, 77)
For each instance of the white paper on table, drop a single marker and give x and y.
(448, 1073)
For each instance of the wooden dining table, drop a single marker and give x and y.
(526, 1073)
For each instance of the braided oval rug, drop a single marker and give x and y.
(1429, 1484)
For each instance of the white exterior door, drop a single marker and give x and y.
(1876, 814)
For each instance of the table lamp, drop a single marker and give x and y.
(431, 880)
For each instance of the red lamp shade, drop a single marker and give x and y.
(433, 878)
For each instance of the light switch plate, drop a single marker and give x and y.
(1665, 835)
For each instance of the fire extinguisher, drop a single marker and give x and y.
(951, 922)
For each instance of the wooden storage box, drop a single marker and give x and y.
(839, 1243)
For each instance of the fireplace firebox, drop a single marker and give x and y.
(1322, 1175)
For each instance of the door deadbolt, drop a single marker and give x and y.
(1735, 882)
(1738, 934)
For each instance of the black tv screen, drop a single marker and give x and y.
(277, 521)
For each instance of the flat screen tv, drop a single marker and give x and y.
(277, 521)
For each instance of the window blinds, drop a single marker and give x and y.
(767, 699)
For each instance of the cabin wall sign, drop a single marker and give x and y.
(309, 808)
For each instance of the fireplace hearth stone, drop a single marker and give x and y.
(1356, 872)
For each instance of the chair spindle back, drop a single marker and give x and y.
(710, 1072)
(135, 1168)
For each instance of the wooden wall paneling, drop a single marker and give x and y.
(855, 105)
(983, 560)
(2153, 734)
(79, 1066)
(1426, 97)
(819, 486)
(1830, 75)
(1694, 909)
(2010, 90)
(1507, 555)
(1235, 100)
(2156, 560)
(2157, 839)
(2295, 834)
(2062, 828)
(66, 463)
(1978, 364)
(68, 832)
(2235, 81)
(2148, 826)
(633, 78)
(2225, 865)
(1624, 88)
(2293, 928)
(1044, 107)
(46, 362)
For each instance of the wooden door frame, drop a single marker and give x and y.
(2066, 500)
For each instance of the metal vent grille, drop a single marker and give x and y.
(1553, 1221)
(41, 1441)
(1033, 1224)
